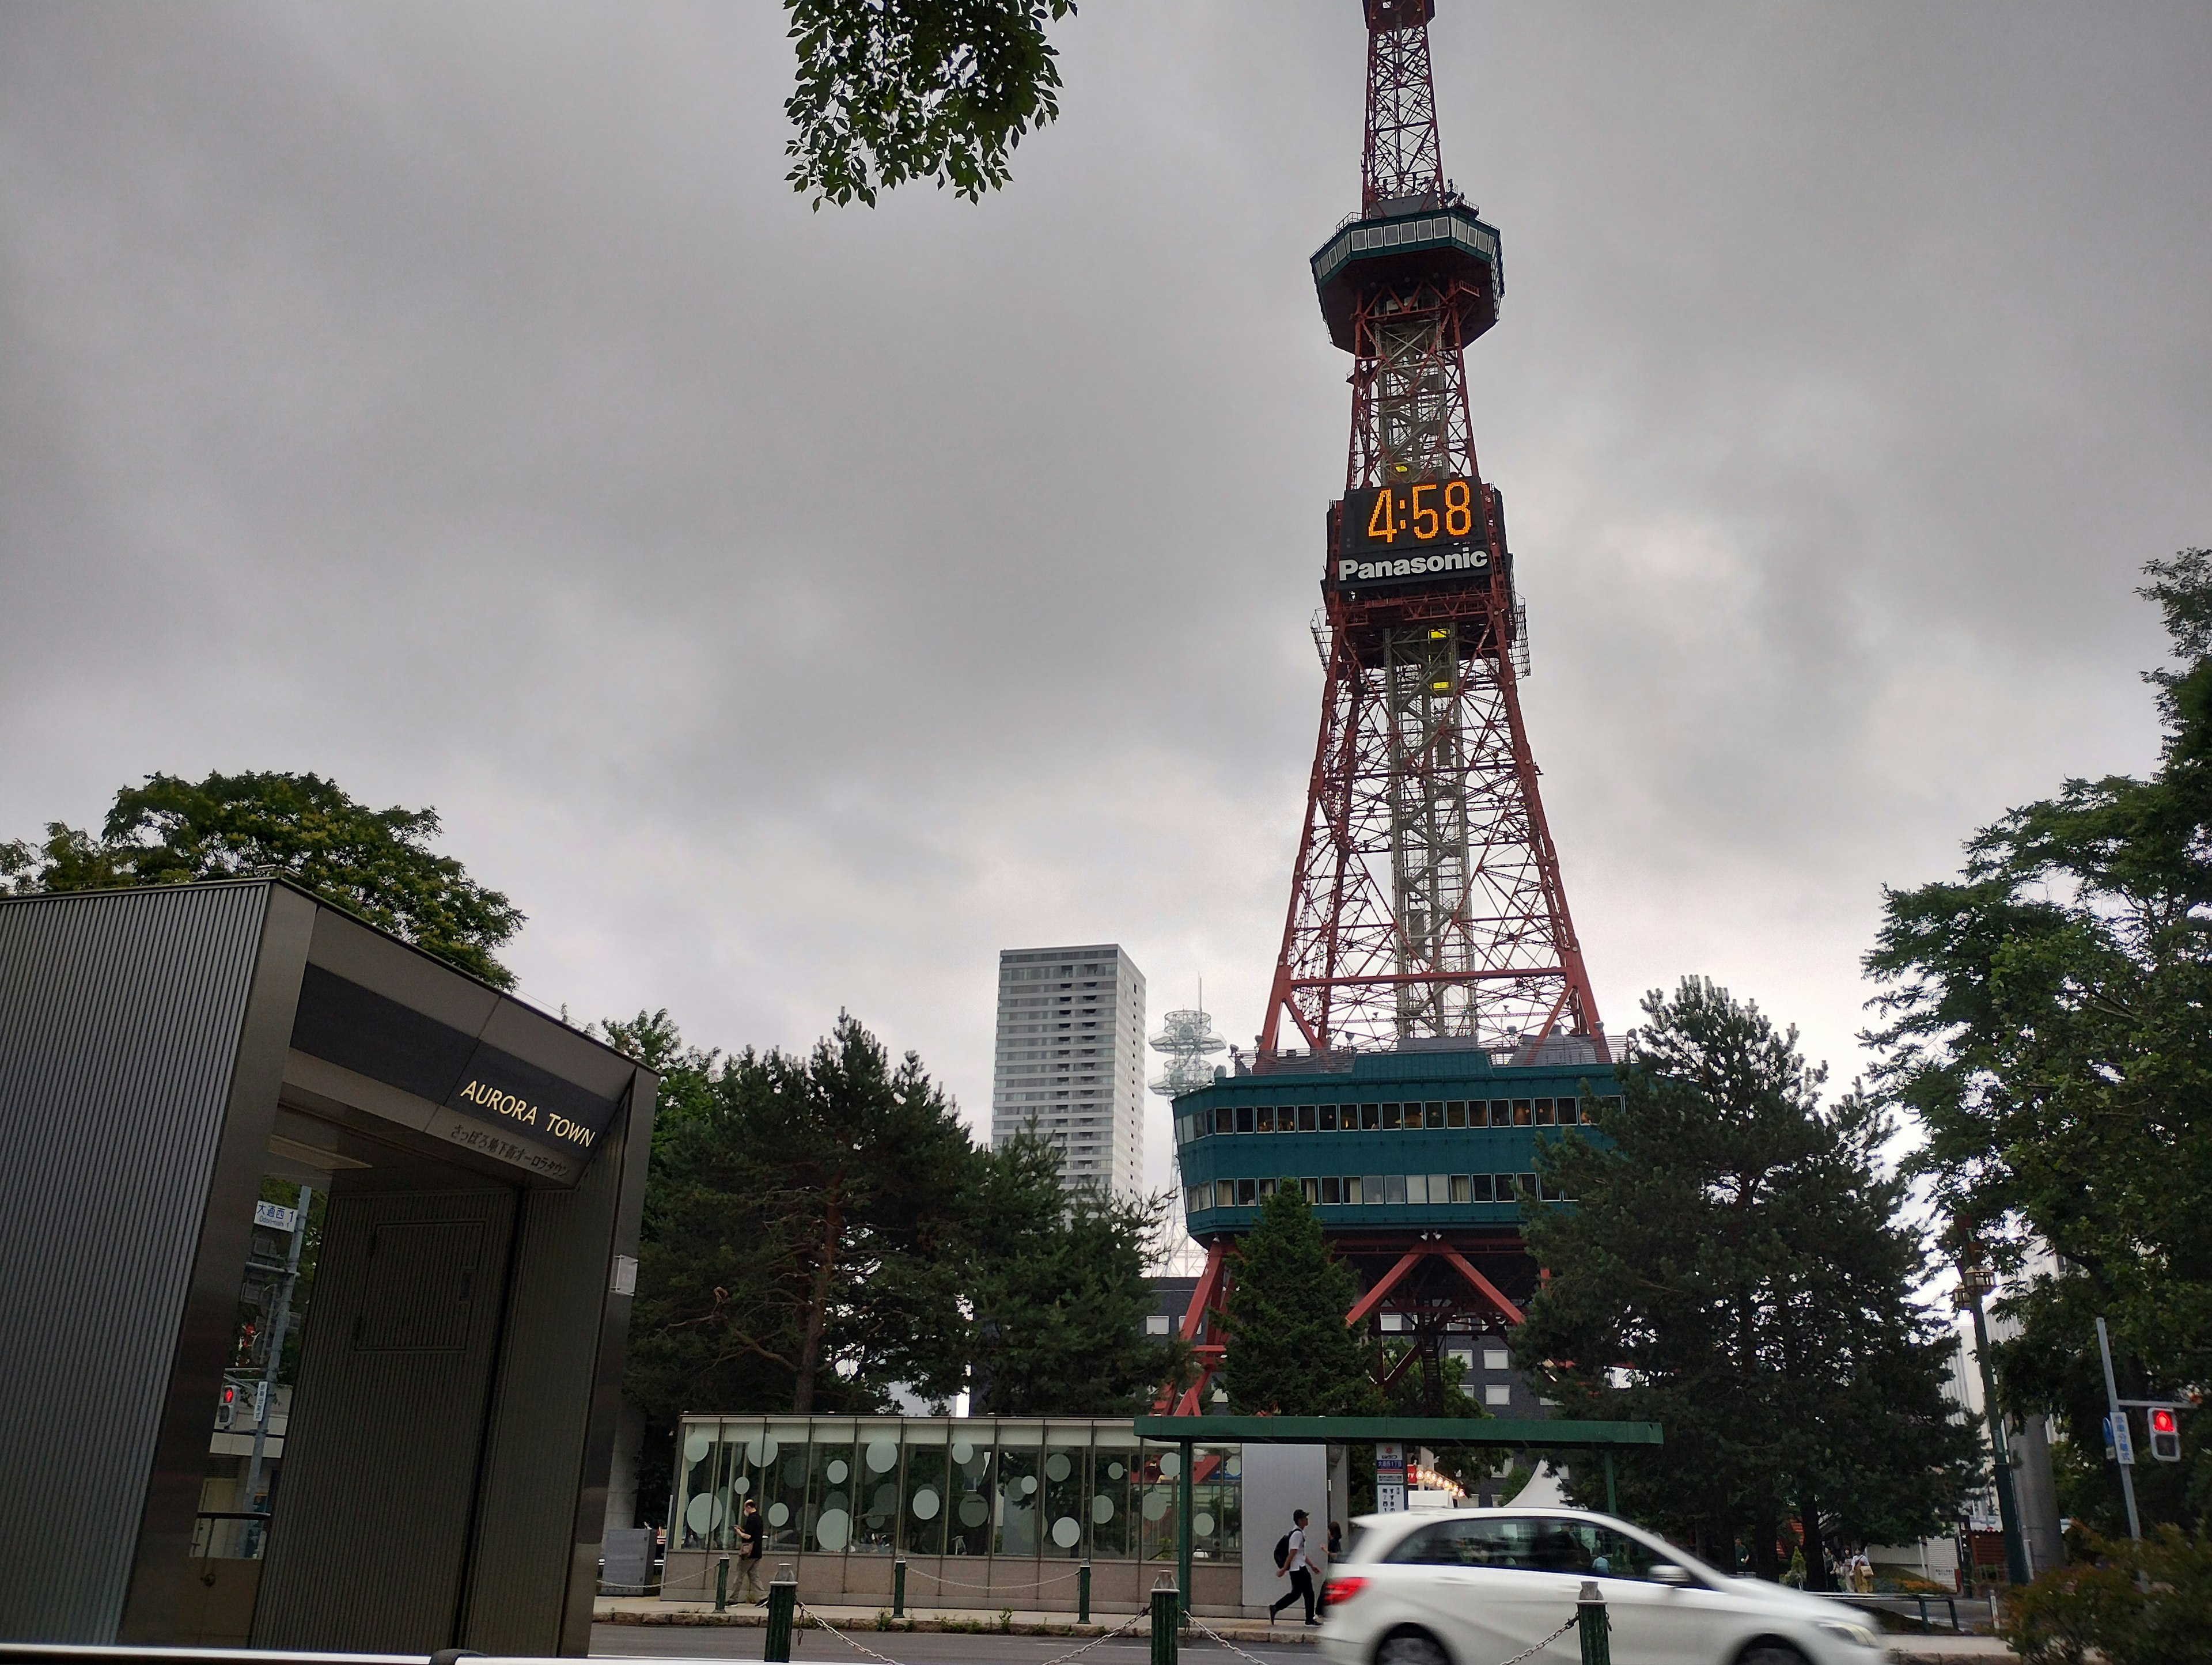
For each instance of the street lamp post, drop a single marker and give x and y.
(1974, 1282)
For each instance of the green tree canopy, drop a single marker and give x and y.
(2048, 1019)
(1734, 1268)
(1290, 1350)
(375, 863)
(894, 90)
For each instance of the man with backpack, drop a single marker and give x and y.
(1292, 1562)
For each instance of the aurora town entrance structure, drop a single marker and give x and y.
(319, 1259)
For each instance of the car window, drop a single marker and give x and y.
(1531, 1543)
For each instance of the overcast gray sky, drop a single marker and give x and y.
(790, 610)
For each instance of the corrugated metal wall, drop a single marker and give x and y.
(371, 1527)
(119, 1019)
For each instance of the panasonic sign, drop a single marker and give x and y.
(1350, 570)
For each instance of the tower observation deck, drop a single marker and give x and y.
(1430, 1020)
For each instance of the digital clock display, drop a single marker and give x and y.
(1399, 533)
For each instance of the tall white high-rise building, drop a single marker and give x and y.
(1072, 1059)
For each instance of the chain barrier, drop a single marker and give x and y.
(885, 1659)
(944, 1583)
(1526, 1652)
(1198, 1624)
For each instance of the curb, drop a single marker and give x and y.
(1296, 1636)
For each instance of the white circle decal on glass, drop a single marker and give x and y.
(1201, 1525)
(695, 1445)
(833, 1528)
(741, 1486)
(1171, 1465)
(1029, 1484)
(1114, 1471)
(701, 1514)
(837, 1470)
(972, 1511)
(1057, 1466)
(1156, 1505)
(924, 1505)
(1101, 1509)
(884, 1505)
(882, 1455)
(768, 1448)
(1065, 1532)
(962, 1452)
(779, 1514)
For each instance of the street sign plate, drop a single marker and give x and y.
(275, 1216)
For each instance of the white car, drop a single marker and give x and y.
(1477, 1586)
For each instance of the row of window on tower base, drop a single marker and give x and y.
(1368, 1190)
(1361, 1118)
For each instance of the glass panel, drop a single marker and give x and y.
(1216, 1504)
(1417, 1188)
(1459, 1190)
(1065, 1471)
(1504, 1188)
(1439, 1188)
(967, 1531)
(1455, 1113)
(1156, 1501)
(1312, 1188)
(1224, 1193)
(1394, 1187)
(695, 1503)
(875, 1489)
(923, 1514)
(1523, 1112)
(1371, 1115)
(1306, 1118)
(830, 1500)
(1435, 1114)
(1544, 1113)
(1112, 1463)
(1243, 1118)
(1391, 1115)
(1018, 1482)
(1371, 1188)
(1329, 1118)
(1353, 1189)
(1247, 1192)
(1266, 1118)
(783, 1458)
(1480, 1187)
(1501, 1113)
(1224, 1119)
(1332, 1190)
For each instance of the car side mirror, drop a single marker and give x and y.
(1666, 1573)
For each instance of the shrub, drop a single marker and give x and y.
(2132, 1604)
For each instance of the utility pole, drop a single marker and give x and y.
(1975, 1282)
(279, 1323)
(2123, 1435)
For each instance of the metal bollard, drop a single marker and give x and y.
(782, 1600)
(722, 1585)
(1592, 1623)
(898, 1588)
(1923, 1615)
(1082, 1594)
(1167, 1615)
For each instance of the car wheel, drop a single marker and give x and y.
(1412, 1648)
(1770, 1653)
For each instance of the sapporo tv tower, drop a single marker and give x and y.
(1430, 1020)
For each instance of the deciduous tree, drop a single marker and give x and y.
(2049, 1022)
(376, 863)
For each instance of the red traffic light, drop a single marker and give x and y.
(2162, 1422)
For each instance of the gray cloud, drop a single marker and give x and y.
(791, 609)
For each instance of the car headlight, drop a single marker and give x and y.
(1859, 1636)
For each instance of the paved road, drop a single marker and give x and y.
(908, 1647)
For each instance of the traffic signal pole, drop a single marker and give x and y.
(2123, 1436)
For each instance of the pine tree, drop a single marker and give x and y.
(1290, 1350)
(1735, 1261)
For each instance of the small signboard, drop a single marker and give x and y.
(1390, 1479)
(276, 1216)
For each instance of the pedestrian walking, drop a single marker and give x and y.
(1292, 1562)
(752, 1532)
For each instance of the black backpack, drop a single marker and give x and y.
(1283, 1550)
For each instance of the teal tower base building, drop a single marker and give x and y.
(1420, 1163)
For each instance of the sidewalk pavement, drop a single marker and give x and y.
(649, 1610)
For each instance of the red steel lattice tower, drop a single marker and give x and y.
(1426, 902)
